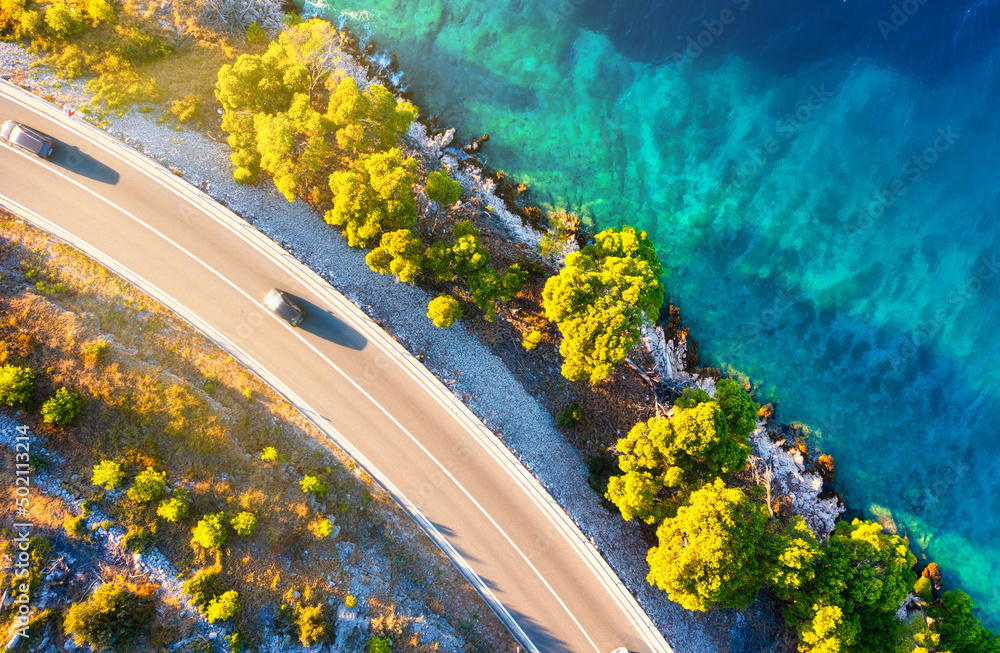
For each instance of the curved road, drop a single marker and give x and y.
(500, 528)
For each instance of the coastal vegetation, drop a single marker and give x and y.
(289, 113)
(719, 541)
(163, 459)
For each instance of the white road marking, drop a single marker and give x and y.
(343, 374)
(349, 316)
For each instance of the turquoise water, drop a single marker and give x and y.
(822, 188)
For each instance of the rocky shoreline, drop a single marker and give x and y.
(791, 465)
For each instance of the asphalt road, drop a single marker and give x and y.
(340, 374)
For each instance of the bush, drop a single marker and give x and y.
(118, 89)
(100, 11)
(243, 523)
(187, 108)
(531, 339)
(11, 12)
(62, 408)
(62, 21)
(148, 486)
(111, 618)
(444, 311)
(222, 607)
(75, 526)
(310, 484)
(210, 533)
(138, 539)
(204, 586)
(255, 34)
(173, 509)
(922, 588)
(322, 527)
(94, 351)
(442, 189)
(570, 415)
(269, 455)
(16, 384)
(108, 474)
(31, 23)
(379, 645)
(244, 176)
(312, 624)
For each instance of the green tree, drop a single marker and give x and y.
(444, 311)
(374, 196)
(314, 45)
(110, 619)
(252, 85)
(243, 523)
(710, 553)
(100, 11)
(661, 457)
(61, 408)
(370, 121)
(740, 409)
(442, 189)
(210, 533)
(62, 21)
(149, 486)
(796, 552)
(861, 576)
(11, 12)
(16, 384)
(959, 630)
(108, 474)
(398, 253)
(600, 300)
(487, 287)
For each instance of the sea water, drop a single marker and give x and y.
(821, 181)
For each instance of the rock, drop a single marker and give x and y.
(345, 550)
(476, 145)
(70, 645)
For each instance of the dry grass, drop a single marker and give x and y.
(162, 396)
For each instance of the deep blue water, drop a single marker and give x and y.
(821, 181)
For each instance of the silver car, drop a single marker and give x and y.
(281, 303)
(27, 139)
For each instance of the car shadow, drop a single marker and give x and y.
(324, 324)
(71, 159)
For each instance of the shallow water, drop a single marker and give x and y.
(821, 182)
